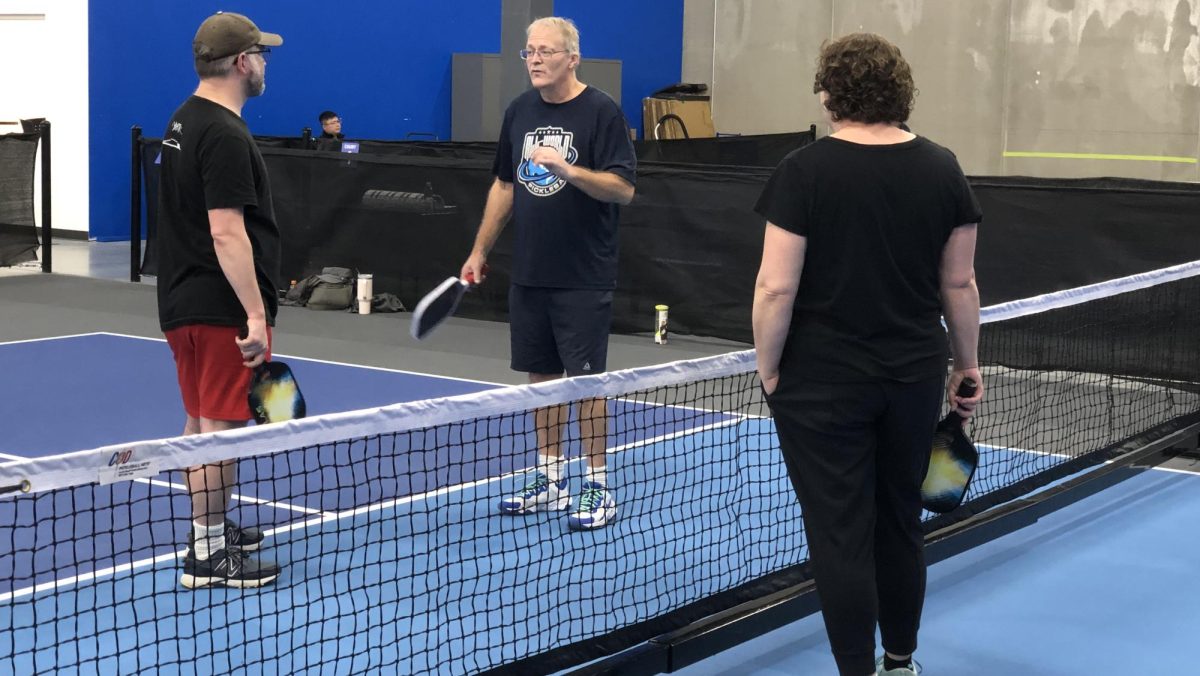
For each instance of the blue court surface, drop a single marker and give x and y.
(81, 392)
(1107, 586)
(395, 561)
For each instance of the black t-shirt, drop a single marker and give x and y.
(876, 218)
(564, 238)
(210, 161)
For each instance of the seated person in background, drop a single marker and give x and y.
(331, 125)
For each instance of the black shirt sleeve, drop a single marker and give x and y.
(226, 167)
(785, 199)
(614, 150)
(967, 207)
(502, 166)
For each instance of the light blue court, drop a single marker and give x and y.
(1105, 587)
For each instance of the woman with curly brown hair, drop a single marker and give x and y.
(870, 240)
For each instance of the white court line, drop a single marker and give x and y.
(38, 340)
(1065, 456)
(237, 496)
(327, 361)
(1176, 470)
(446, 490)
(325, 518)
(94, 575)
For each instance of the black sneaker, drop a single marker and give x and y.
(245, 539)
(227, 568)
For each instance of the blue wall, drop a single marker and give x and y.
(384, 67)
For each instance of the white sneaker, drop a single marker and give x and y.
(540, 494)
(597, 507)
(913, 669)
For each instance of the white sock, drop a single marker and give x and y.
(598, 475)
(209, 539)
(551, 467)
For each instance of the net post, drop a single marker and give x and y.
(306, 138)
(135, 205)
(44, 133)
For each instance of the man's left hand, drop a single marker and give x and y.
(552, 161)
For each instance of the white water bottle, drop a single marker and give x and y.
(365, 293)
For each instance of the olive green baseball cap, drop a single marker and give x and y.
(226, 33)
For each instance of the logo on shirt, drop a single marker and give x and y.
(536, 179)
(176, 128)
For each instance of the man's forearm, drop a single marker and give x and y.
(236, 257)
(495, 215)
(601, 185)
(961, 308)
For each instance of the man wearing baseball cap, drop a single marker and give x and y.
(218, 274)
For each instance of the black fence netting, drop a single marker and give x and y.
(18, 237)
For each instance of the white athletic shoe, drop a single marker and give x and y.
(539, 495)
(597, 507)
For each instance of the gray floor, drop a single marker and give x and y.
(89, 291)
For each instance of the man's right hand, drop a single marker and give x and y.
(475, 269)
(254, 346)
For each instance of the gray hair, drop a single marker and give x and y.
(570, 34)
(218, 68)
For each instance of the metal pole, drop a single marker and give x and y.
(135, 205)
(44, 130)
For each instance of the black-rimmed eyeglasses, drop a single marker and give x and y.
(264, 52)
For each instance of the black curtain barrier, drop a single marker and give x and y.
(760, 150)
(407, 212)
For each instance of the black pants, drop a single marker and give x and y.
(857, 454)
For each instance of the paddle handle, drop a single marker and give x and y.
(469, 279)
(966, 388)
(258, 370)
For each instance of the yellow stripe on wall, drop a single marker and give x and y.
(1100, 156)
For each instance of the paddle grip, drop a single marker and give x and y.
(470, 278)
(954, 419)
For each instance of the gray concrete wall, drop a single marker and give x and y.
(698, 41)
(998, 79)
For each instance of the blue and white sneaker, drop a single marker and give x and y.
(597, 507)
(540, 494)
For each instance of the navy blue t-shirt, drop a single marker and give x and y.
(564, 238)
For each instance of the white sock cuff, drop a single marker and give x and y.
(597, 475)
(551, 467)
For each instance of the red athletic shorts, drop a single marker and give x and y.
(212, 379)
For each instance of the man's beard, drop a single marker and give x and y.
(256, 84)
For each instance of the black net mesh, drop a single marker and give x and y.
(395, 559)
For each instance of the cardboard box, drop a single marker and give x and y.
(696, 116)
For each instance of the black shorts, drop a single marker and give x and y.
(559, 330)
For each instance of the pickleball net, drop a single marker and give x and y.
(395, 559)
